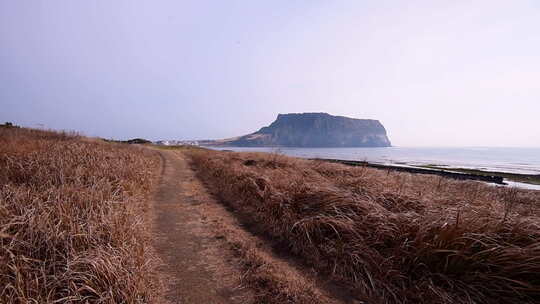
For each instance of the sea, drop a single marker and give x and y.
(511, 160)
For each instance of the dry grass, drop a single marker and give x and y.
(273, 281)
(72, 219)
(389, 237)
(268, 278)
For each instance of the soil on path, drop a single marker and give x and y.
(208, 256)
(194, 272)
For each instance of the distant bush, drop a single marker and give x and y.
(138, 141)
(8, 125)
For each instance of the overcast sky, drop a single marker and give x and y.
(435, 73)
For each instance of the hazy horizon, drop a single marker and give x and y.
(459, 74)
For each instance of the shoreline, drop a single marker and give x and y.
(419, 170)
(497, 178)
(526, 181)
(343, 221)
(531, 179)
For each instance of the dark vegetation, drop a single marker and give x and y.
(140, 141)
(72, 219)
(8, 125)
(388, 237)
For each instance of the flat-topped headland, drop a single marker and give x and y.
(312, 130)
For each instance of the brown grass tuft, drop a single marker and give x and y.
(72, 219)
(390, 237)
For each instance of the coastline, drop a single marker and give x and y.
(525, 179)
(355, 225)
(419, 170)
(530, 179)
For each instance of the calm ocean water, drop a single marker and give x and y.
(513, 160)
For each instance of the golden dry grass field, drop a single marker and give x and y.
(387, 237)
(72, 219)
(74, 227)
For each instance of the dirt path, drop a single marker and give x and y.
(209, 256)
(194, 272)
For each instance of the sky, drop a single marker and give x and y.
(435, 73)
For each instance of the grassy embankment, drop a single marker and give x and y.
(388, 237)
(72, 219)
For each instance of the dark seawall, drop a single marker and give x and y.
(455, 175)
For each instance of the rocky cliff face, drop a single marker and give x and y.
(315, 130)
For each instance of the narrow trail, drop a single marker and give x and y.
(196, 239)
(193, 271)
